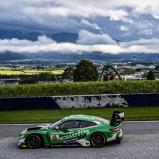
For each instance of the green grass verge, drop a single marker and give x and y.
(81, 88)
(40, 116)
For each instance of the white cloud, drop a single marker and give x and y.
(56, 14)
(116, 14)
(86, 37)
(52, 16)
(45, 44)
(84, 8)
(42, 40)
(123, 28)
(144, 27)
(89, 24)
(145, 42)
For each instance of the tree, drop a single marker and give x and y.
(28, 79)
(68, 73)
(85, 71)
(46, 76)
(150, 76)
(109, 76)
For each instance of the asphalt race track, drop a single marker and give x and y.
(141, 141)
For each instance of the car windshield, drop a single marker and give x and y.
(52, 125)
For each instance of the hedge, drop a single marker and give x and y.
(76, 88)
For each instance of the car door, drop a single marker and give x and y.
(54, 136)
(87, 127)
(65, 132)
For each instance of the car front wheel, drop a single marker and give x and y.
(33, 141)
(98, 140)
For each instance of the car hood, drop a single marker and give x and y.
(44, 125)
(41, 126)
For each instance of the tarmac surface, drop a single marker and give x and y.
(141, 141)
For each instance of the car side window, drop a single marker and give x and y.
(69, 125)
(84, 124)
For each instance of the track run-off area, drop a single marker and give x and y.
(141, 141)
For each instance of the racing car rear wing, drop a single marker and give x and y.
(117, 118)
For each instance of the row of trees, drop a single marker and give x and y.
(86, 71)
(30, 79)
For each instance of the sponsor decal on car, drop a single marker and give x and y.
(69, 136)
(55, 137)
(75, 135)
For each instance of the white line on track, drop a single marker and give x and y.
(150, 121)
(21, 124)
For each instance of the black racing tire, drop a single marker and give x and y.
(33, 141)
(98, 139)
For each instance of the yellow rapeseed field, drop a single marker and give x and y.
(29, 72)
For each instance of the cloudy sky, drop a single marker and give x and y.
(108, 26)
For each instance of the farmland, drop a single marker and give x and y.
(7, 71)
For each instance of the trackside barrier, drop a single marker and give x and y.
(79, 101)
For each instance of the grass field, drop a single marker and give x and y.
(9, 72)
(28, 72)
(40, 116)
(76, 88)
(31, 72)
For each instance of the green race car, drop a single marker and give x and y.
(84, 130)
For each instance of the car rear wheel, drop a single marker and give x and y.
(33, 141)
(98, 140)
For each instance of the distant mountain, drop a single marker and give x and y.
(56, 58)
(8, 56)
(19, 34)
(96, 57)
(30, 35)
